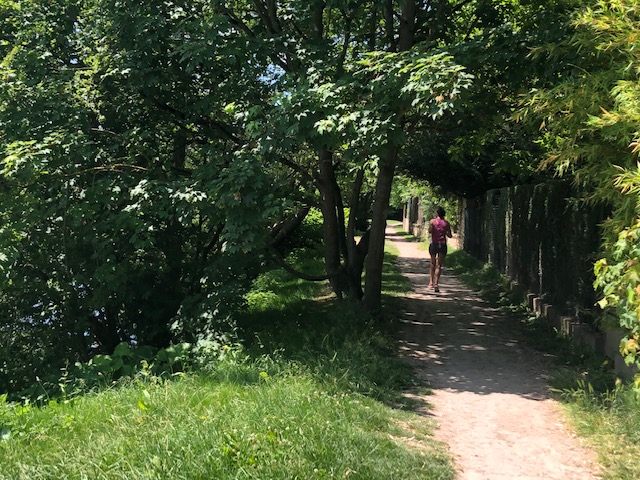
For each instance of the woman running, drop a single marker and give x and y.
(439, 229)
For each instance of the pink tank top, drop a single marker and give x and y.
(439, 233)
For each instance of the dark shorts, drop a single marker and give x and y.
(440, 248)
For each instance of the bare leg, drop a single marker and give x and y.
(438, 268)
(432, 270)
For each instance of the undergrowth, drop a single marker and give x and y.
(305, 392)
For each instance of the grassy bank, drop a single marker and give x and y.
(310, 391)
(286, 427)
(603, 410)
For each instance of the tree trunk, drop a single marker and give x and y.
(373, 27)
(355, 252)
(318, 20)
(330, 230)
(407, 25)
(375, 256)
(388, 25)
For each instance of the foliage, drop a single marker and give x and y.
(127, 213)
(610, 423)
(590, 120)
(126, 362)
(336, 340)
(301, 402)
(151, 152)
(429, 197)
(619, 279)
(480, 147)
(309, 234)
(148, 148)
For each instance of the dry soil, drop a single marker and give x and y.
(489, 395)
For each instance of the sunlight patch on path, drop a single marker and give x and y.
(490, 396)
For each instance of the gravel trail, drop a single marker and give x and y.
(490, 398)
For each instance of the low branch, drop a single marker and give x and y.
(202, 121)
(115, 167)
(214, 241)
(283, 229)
(104, 130)
(296, 168)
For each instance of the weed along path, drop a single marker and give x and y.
(489, 395)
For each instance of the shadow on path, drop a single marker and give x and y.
(490, 396)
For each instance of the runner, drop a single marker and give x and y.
(439, 229)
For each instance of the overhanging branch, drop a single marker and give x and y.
(283, 229)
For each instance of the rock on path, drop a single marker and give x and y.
(490, 398)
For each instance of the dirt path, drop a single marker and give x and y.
(490, 398)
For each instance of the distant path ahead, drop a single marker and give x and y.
(490, 397)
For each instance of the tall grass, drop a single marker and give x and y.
(287, 427)
(306, 396)
(603, 410)
(611, 423)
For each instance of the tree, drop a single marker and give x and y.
(156, 154)
(481, 147)
(129, 210)
(343, 106)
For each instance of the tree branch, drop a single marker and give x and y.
(202, 121)
(347, 40)
(272, 11)
(214, 240)
(107, 168)
(299, 31)
(264, 16)
(283, 229)
(296, 168)
(235, 20)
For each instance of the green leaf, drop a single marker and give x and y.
(122, 350)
